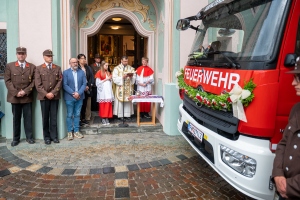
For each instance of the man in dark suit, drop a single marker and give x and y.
(48, 81)
(95, 66)
(86, 106)
(19, 80)
(74, 84)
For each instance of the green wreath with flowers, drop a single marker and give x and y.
(216, 102)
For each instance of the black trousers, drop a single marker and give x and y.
(17, 110)
(83, 108)
(49, 117)
(94, 103)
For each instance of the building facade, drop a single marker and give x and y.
(70, 27)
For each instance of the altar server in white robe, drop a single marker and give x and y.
(144, 82)
(124, 77)
(105, 95)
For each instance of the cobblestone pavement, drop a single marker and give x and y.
(109, 166)
(105, 150)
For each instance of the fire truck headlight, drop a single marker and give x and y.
(239, 162)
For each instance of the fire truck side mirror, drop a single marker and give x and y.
(183, 24)
(290, 60)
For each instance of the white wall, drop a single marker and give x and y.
(35, 28)
(188, 8)
(2, 27)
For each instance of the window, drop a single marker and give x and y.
(234, 35)
(3, 53)
(297, 47)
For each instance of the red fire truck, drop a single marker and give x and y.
(235, 90)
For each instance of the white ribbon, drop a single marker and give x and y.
(237, 94)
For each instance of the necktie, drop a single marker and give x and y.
(49, 66)
(22, 66)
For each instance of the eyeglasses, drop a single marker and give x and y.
(297, 78)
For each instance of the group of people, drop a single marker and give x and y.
(82, 86)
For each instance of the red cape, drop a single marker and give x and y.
(147, 71)
(100, 75)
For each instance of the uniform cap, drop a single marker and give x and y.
(97, 55)
(21, 50)
(297, 67)
(48, 52)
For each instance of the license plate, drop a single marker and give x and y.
(195, 132)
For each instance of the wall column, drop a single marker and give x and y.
(65, 31)
(171, 96)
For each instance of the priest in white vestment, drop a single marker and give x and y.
(123, 74)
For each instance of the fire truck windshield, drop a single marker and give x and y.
(230, 37)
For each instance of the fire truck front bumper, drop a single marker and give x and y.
(245, 163)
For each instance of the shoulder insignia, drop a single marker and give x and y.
(44, 65)
(27, 64)
(17, 64)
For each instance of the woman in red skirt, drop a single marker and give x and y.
(105, 95)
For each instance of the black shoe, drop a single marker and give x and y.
(55, 140)
(127, 119)
(47, 142)
(84, 122)
(14, 143)
(30, 141)
(121, 119)
(147, 116)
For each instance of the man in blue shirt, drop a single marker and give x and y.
(74, 83)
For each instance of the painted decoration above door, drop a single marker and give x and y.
(131, 5)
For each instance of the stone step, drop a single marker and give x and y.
(95, 127)
(115, 129)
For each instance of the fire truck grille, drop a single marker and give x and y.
(221, 122)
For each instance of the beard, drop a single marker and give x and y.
(75, 67)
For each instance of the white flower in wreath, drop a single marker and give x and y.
(224, 105)
(177, 74)
(214, 102)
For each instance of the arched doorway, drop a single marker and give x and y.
(106, 16)
(117, 37)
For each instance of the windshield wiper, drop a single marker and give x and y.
(232, 64)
